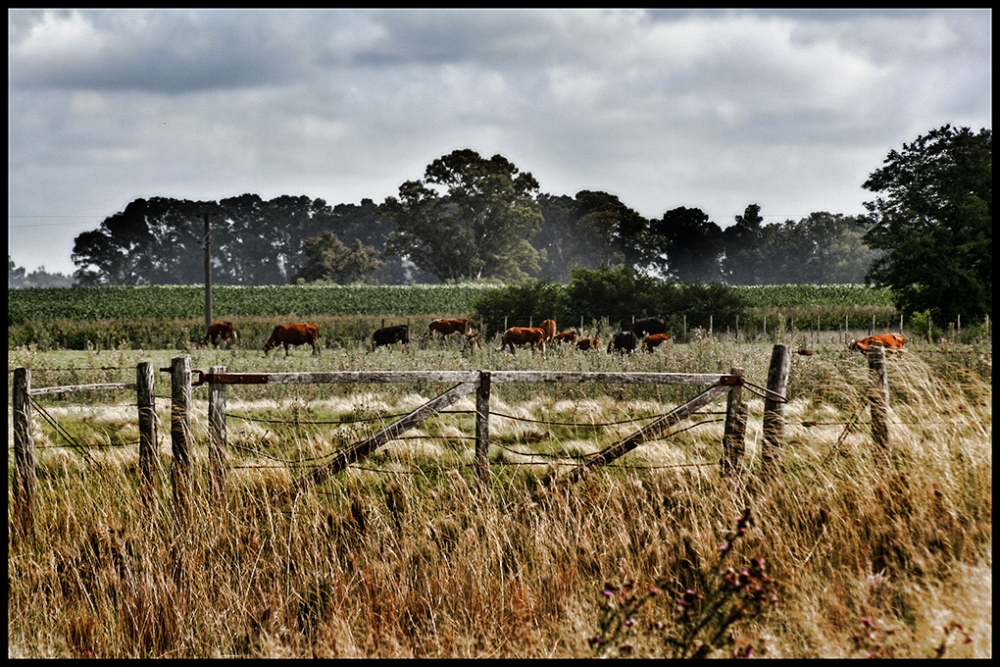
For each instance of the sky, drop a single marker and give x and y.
(711, 109)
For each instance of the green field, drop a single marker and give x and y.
(172, 317)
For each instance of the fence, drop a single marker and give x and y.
(466, 382)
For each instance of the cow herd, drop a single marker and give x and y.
(646, 334)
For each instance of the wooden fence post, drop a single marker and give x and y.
(217, 437)
(878, 396)
(774, 421)
(733, 439)
(181, 468)
(24, 455)
(483, 427)
(149, 460)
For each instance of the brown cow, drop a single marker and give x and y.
(534, 336)
(448, 327)
(891, 342)
(473, 339)
(221, 332)
(549, 327)
(589, 343)
(654, 340)
(293, 334)
(566, 337)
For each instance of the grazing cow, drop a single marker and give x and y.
(549, 327)
(389, 335)
(221, 332)
(533, 336)
(654, 340)
(646, 326)
(566, 337)
(623, 341)
(891, 342)
(589, 343)
(293, 334)
(473, 339)
(448, 327)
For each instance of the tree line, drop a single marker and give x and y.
(927, 234)
(469, 218)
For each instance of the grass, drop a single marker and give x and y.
(405, 555)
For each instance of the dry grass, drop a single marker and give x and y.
(406, 556)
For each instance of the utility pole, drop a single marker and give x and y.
(208, 275)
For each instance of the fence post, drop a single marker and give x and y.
(217, 437)
(149, 461)
(774, 421)
(878, 396)
(733, 439)
(24, 455)
(483, 426)
(181, 468)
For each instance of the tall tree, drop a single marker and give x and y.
(828, 250)
(617, 229)
(161, 241)
(469, 218)
(329, 259)
(152, 242)
(686, 246)
(588, 231)
(743, 240)
(933, 219)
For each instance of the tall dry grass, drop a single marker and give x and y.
(406, 556)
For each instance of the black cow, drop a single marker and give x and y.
(623, 341)
(646, 326)
(390, 335)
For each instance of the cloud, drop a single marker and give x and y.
(706, 109)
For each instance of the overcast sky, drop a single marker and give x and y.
(715, 110)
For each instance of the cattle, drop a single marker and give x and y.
(623, 341)
(473, 339)
(293, 334)
(549, 327)
(389, 335)
(221, 332)
(646, 326)
(566, 337)
(891, 342)
(448, 327)
(654, 340)
(534, 336)
(589, 343)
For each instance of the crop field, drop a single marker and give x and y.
(166, 317)
(408, 554)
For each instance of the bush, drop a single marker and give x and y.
(618, 294)
(518, 305)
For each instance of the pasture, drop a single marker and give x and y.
(406, 555)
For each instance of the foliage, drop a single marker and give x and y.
(714, 305)
(329, 260)
(617, 294)
(160, 241)
(593, 229)
(745, 257)
(18, 277)
(475, 225)
(685, 245)
(933, 219)
(519, 305)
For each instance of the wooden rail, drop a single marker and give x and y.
(466, 382)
